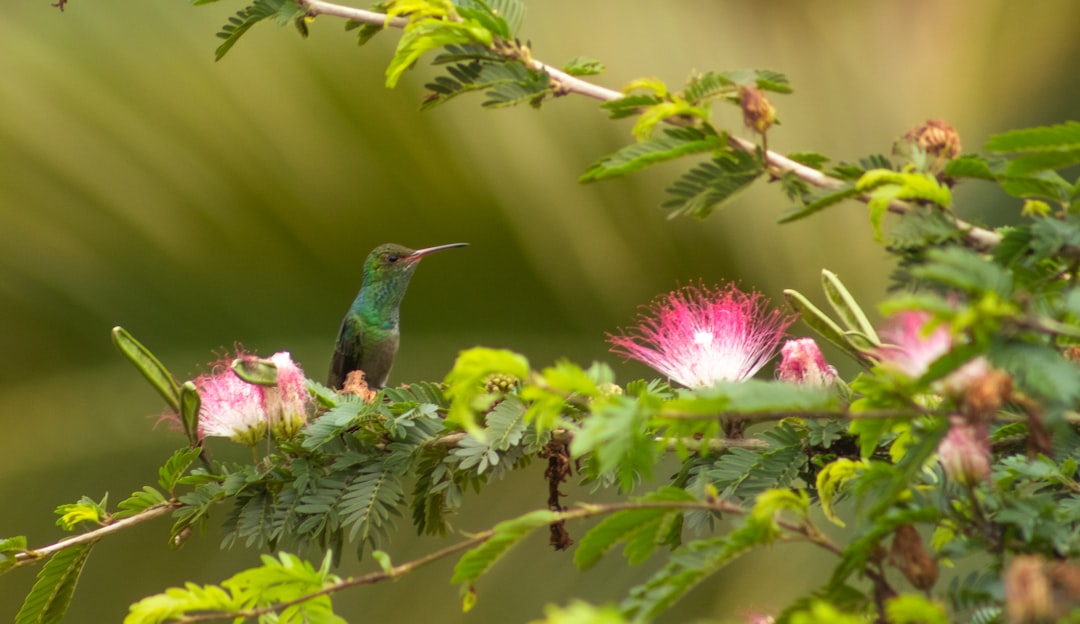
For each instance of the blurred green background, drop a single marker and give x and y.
(204, 204)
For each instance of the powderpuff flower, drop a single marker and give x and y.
(244, 412)
(699, 336)
(801, 363)
(286, 403)
(964, 452)
(231, 407)
(910, 348)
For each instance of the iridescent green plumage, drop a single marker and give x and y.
(369, 337)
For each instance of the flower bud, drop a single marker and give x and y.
(801, 363)
(937, 138)
(1028, 596)
(758, 113)
(964, 452)
(911, 557)
(500, 383)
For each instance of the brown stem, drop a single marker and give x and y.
(977, 236)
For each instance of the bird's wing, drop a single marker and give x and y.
(346, 357)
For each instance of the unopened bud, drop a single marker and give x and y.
(911, 557)
(500, 383)
(937, 138)
(981, 389)
(964, 452)
(801, 363)
(758, 112)
(1028, 595)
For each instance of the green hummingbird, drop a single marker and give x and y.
(369, 336)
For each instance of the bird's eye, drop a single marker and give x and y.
(392, 258)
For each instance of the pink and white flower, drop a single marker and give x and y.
(802, 363)
(230, 407)
(699, 336)
(286, 403)
(911, 346)
(244, 412)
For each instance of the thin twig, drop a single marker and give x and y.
(806, 530)
(145, 515)
(779, 163)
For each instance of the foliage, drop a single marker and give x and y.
(956, 442)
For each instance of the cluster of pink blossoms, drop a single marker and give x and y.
(699, 336)
(913, 344)
(245, 412)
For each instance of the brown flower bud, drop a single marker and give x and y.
(937, 138)
(758, 112)
(1028, 597)
(911, 557)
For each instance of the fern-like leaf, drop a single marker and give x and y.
(710, 184)
(675, 143)
(50, 597)
(285, 11)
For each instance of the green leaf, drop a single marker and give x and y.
(86, 510)
(583, 66)
(653, 115)
(150, 367)
(139, 501)
(50, 597)
(753, 396)
(969, 166)
(914, 609)
(966, 270)
(1041, 161)
(465, 382)
(10, 547)
(630, 105)
(638, 527)
(1064, 136)
(675, 143)
(710, 184)
(617, 436)
(1046, 184)
(170, 473)
(505, 536)
(821, 202)
(284, 11)
(424, 35)
(829, 481)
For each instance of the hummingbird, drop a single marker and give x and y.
(369, 336)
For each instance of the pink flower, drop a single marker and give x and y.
(286, 403)
(699, 336)
(244, 412)
(230, 407)
(801, 363)
(964, 452)
(910, 348)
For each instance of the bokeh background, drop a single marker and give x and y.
(204, 204)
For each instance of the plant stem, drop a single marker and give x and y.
(979, 237)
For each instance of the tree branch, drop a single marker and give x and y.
(778, 163)
(806, 530)
(150, 513)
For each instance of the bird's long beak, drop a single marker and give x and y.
(419, 253)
